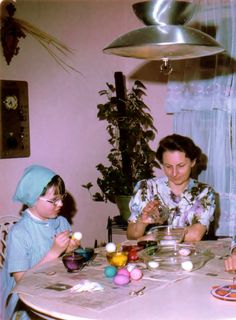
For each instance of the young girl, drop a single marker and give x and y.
(41, 235)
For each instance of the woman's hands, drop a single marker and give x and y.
(195, 232)
(150, 213)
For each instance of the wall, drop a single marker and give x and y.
(65, 133)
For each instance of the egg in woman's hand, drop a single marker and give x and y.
(110, 247)
(76, 236)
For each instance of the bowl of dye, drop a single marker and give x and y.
(73, 262)
(87, 253)
(132, 250)
(117, 259)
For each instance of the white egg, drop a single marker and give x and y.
(77, 235)
(187, 265)
(184, 252)
(130, 266)
(153, 264)
(110, 247)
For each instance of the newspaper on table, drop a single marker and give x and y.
(52, 281)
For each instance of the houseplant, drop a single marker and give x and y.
(130, 128)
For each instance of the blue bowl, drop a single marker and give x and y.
(86, 253)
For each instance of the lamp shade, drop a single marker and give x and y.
(167, 37)
(169, 41)
(165, 11)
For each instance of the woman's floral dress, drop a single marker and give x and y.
(195, 205)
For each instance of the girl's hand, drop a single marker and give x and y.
(73, 244)
(150, 213)
(60, 242)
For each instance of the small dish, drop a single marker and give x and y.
(227, 292)
(73, 262)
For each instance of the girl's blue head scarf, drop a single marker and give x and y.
(32, 183)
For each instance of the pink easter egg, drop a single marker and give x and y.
(136, 274)
(123, 271)
(121, 280)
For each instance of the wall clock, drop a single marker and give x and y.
(14, 119)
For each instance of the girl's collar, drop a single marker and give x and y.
(34, 217)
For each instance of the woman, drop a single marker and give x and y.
(41, 235)
(175, 199)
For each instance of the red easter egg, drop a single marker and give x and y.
(132, 256)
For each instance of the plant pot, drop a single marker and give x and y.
(123, 206)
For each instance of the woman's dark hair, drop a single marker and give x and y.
(176, 142)
(58, 185)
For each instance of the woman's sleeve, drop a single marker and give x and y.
(139, 200)
(207, 206)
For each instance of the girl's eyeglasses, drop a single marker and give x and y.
(55, 201)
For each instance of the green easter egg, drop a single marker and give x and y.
(110, 271)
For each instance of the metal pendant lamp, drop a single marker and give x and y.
(165, 37)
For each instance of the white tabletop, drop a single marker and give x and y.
(174, 297)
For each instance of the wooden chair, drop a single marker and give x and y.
(6, 222)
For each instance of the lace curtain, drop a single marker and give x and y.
(202, 97)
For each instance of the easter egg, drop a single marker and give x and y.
(110, 271)
(110, 247)
(133, 256)
(76, 236)
(136, 274)
(187, 265)
(153, 264)
(123, 271)
(121, 280)
(130, 266)
(184, 252)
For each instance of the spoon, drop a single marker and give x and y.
(137, 292)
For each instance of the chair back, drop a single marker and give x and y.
(6, 222)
